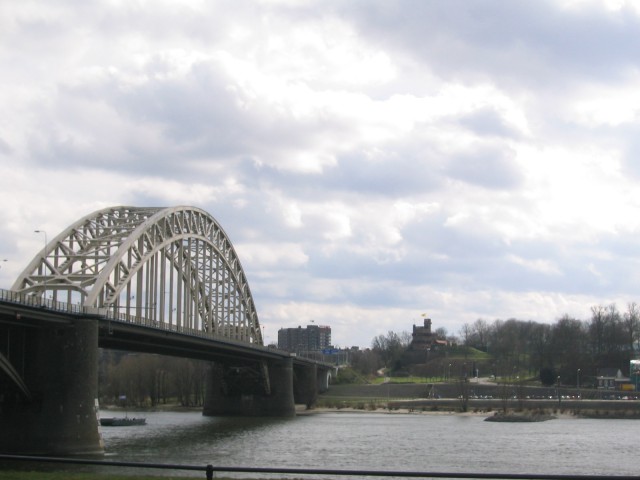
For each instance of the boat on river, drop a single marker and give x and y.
(122, 421)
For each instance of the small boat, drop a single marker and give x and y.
(122, 421)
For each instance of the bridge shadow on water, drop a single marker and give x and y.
(182, 438)
(190, 436)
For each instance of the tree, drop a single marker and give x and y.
(441, 332)
(539, 345)
(548, 376)
(149, 379)
(366, 362)
(466, 333)
(569, 346)
(631, 326)
(390, 348)
(481, 331)
(596, 330)
(608, 341)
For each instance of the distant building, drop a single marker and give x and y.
(424, 339)
(612, 379)
(312, 338)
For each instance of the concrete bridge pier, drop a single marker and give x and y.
(263, 389)
(305, 385)
(323, 378)
(59, 367)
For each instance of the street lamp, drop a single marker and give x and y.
(44, 261)
(578, 384)
(558, 389)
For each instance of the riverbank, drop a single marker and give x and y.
(482, 398)
(471, 413)
(427, 406)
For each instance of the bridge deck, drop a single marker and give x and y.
(126, 332)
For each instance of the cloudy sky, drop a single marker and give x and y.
(371, 160)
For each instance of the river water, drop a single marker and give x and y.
(380, 441)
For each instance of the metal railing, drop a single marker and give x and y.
(34, 301)
(209, 470)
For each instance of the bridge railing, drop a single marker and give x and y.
(31, 300)
(35, 301)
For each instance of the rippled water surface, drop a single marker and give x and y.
(381, 441)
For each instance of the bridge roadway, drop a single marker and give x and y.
(48, 372)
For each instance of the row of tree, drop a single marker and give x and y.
(569, 348)
(573, 347)
(144, 379)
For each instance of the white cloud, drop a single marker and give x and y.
(371, 161)
(606, 106)
(610, 5)
(281, 255)
(539, 265)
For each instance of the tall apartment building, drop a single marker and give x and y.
(312, 338)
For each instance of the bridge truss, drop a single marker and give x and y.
(169, 268)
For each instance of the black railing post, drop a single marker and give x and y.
(209, 472)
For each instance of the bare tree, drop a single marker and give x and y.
(466, 332)
(441, 332)
(390, 347)
(631, 323)
(481, 329)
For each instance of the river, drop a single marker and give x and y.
(380, 441)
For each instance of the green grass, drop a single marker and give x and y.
(358, 403)
(380, 380)
(467, 353)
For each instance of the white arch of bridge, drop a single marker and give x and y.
(174, 268)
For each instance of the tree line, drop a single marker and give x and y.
(569, 348)
(572, 349)
(141, 379)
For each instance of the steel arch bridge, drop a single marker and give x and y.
(169, 268)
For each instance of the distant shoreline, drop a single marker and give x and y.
(585, 409)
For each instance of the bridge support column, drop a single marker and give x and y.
(59, 366)
(232, 390)
(305, 385)
(324, 374)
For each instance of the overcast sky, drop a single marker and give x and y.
(371, 161)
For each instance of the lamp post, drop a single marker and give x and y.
(44, 261)
(578, 384)
(558, 389)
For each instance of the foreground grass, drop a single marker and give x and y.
(14, 475)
